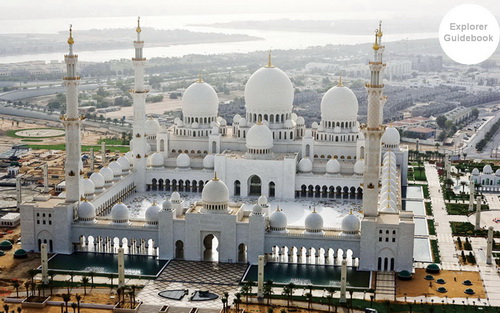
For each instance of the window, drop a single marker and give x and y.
(379, 238)
(393, 239)
(387, 239)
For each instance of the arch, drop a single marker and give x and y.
(272, 189)
(303, 190)
(353, 191)
(242, 253)
(162, 145)
(308, 150)
(255, 186)
(237, 188)
(214, 147)
(210, 245)
(179, 249)
(317, 190)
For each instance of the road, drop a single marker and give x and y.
(471, 146)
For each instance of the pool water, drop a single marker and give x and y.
(309, 274)
(106, 263)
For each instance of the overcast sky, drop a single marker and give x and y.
(32, 9)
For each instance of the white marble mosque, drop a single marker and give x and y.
(204, 189)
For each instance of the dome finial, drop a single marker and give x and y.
(138, 29)
(215, 177)
(379, 32)
(200, 78)
(70, 39)
(314, 209)
(375, 44)
(259, 120)
(269, 60)
(350, 211)
(340, 82)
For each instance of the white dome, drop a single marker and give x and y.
(208, 161)
(167, 205)
(314, 125)
(124, 162)
(215, 192)
(151, 127)
(278, 220)
(332, 166)
(339, 104)
(152, 214)
(389, 155)
(130, 157)
(300, 120)
(305, 165)
(156, 159)
(487, 169)
(308, 133)
(337, 130)
(195, 125)
(178, 122)
(257, 209)
(222, 122)
(86, 211)
(497, 173)
(321, 128)
(116, 168)
(262, 200)
(259, 137)
(243, 122)
(98, 180)
(390, 137)
(88, 186)
(107, 173)
(236, 118)
(175, 197)
(215, 130)
(359, 167)
(289, 124)
(183, 160)
(475, 172)
(314, 222)
(148, 148)
(200, 100)
(350, 224)
(388, 207)
(269, 90)
(119, 213)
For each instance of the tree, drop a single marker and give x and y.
(16, 286)
(78, 299)
(111, 277)
(441, 121)
(92, 274)
(463, 185)
(237, 301)
(329, 300)
(66, 298)
(85, 282)
(32, 274)
(6, 308)
(268, 290)
(27, 286)
(309, 299)
(73, 306)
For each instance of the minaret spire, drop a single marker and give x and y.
(269, 60)
(72, 122)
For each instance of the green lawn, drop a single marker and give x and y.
(111, 141)
(428, 208)
(467, 229)
(435, 251)
(462, 208)
(12, 132)
(432, 228)
(121, 149)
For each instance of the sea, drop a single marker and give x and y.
(270, 39)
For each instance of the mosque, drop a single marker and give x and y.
(266, 155)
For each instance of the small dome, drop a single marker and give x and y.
(257, 209)
(487, 169)
(300, 121)
(497, 173)
(156, 159)
(116, 168)
(151, 127)
(262, 201)
(215, 130)
(175, 197)
(391, 137)
(321, 128)
(167, 205)
(359, 167)
(289, 124)
(278, 220)
(195, 125)
(308, 133)
(124, 163)
(236, 118)
(350, 224)
(475, 172)
(88, 186)
(209, 161)
(107, 173)
(183, 160)
(215, 192)
(243, 122)
(200, 100)
(337, 130)
(333, 166)
(314, 125)
(339, 104)
(269, 90)
(259, 137)
(305, 165)
(130, 157)
(152, 214)
(222, 122)
(98, 180)
(86, 211)
(178, 122)
(314, 222)
(119, 213)
(387, 202)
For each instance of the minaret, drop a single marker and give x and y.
(373, 130)
(72, 122)
(139, 100)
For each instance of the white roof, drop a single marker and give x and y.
(339, 104)
(200, 100)
(259, 137)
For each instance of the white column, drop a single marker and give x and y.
(471, 195)
(260, 277)
(19, 197)
(45, 178)
(121, 268)
(92, 157)
(45, 263)
(489, 246)
(478, 213)
(103, 152)
(343, 281)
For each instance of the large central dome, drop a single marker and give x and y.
(269, 90)
(200, 100)
(339, 104)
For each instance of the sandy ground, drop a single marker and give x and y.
(16, 268)
(418, 286)
(151, 108)
(53, 309)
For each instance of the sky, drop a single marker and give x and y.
(349, 9)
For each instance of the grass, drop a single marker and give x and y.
(428, 208)
(12, 132)
(467, 229)
(462, 208)
(435, 251)
(432, 228)
(111, 141)
(32, 140)
(121, 149)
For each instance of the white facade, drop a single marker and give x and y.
(268, 153)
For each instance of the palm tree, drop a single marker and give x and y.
(237, 301)
(6, 308)
(268, 290)
(133, 287)
(463, 185)
(287, 292)
(27, 286)
(111, 276)
(66, 298)
(78, 299)
(85, 282)
(244, 291)
(309, 298)
(92, 274)
(73, 306)
(329, 299)
(16, 286)
(32, 274)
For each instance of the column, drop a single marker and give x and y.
(478, 213)
(489, 246)
(343, 281)
(45, 263)
(260, 277)
(121, 268)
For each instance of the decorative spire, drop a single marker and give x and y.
(379, 32)
(70, 39)
(340, 82)
(375, 44)
(350, 211)
(259, 120)
(269, 60)
(200, 78)
(314, 209)
(215, 177)
(138, 29)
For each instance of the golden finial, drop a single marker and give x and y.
(70, 39)
(259, 120)
(138, 29)
(350, 211)
(340, 82)
(269, 60)
(379, 33)
(200, 78)
(375, 44)
(215, 177)
(314, 209)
